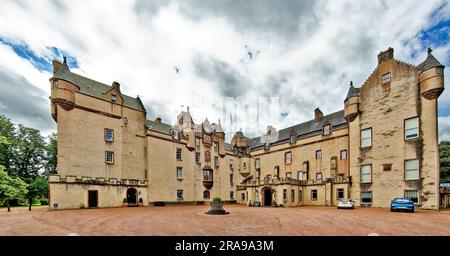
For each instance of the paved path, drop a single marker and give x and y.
(242, 220)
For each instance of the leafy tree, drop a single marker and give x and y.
(444, 151)
(29, 153)
(11, 188)
(8, 134)
(51, 154)
(38, 188)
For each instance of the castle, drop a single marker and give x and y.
(382, 145)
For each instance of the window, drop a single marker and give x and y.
(207, 156)
(319, 154)
(366, 138)
(289, 175)
(197, 141)
(197, 157)
(314, 195)
(258, 173)
(292, 195)
(206, 194)
(326, 129)
(216, 146)
(387, 167)
(300, 175)
(180, 194)
(366, 173)
(343, 154)
(319, 176)
(299, 195)
(439, 71)
(257, 163)
(175, 135)
(412, 128)
(231, 194)
(340, 193)
(386, 78)
(244, 166)
(277, 171)
(113, 98)
(413, 194)
(366, 197)
(180, 173)
(231, 164)
(178, 154)
(242, 196)
(207, 175)
(231, 179)
(109, 157)
(109, 135)
(216, 161)
(412, 169)
(284, 194)
(293, 139)
(288, 157)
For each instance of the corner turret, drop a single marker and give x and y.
(431, 77)
(351, 102)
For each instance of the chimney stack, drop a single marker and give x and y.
(158, 120)
(386, 55)
(318, 115)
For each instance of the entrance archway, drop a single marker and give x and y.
(131, 197)
(267, 197)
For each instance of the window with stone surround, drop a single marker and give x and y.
(314, 195)
(206, 194)
(299, 196)
(284, 194)
(179, 173)
(242, 196)
(216, 146)
(366, 138)
(231, 178)
(439, 71)
(343, 154)
(113, 98)
(277, 171)
(411, 128)
(257, 163)
(292, 195)
(231, 195)
(319, 154)
(216, 161)
(244, 166)
(366, 173)
(109, 157)
(319, 176)
(386, 78)
(412, 169)
(340, 193)
(109, 135)
(289, 175)
(366, 197)
(293, 139)
(197, 157)
(288, 157)
(178, 154)
(326, 129)
(413, 194)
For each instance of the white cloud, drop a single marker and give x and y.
(308, 68)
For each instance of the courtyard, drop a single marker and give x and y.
(242, 220)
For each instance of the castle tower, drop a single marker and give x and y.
(351, 102)
(431, 83)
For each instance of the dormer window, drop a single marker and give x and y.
(293, 139)
(113, 98)
(267, 146)
(176, 135)
(326, 129)
(439, 71)
(386, 78)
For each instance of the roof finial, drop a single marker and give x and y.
(219, 120)
(429, 51)
(65, 60)
(188, 108)
(351, 83)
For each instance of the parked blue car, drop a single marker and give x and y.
(402, 204)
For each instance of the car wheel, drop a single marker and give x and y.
(392, 210)
(412, 211)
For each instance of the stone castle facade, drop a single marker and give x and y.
(382, 145)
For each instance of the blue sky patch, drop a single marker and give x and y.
(43, 63)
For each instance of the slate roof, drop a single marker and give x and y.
(352, 91)
(94, 88)
(305, 129)
(159, 127)
(429, 62)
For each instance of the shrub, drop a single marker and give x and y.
(124, 200)
(81, 205)
(217, 199)
(44, 201)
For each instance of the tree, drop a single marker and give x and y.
(51, 154)
(37, 188)
(7, 131)
(29, 153)
(444, 151)
(11, 188)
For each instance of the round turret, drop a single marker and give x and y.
(431, 77)
(351, 109)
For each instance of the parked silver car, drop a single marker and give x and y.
(344, 203)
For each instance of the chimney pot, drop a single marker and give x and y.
(386, 55)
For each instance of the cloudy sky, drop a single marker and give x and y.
(279, 59)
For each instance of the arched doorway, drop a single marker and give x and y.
(267, 197)
(131, 197)
(206, 194)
